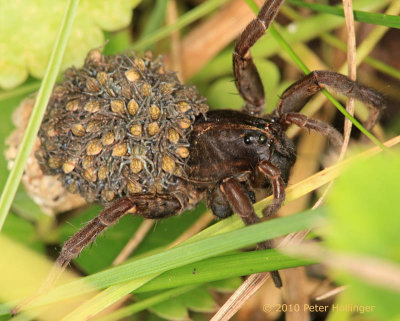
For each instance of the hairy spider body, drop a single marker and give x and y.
(222, 156)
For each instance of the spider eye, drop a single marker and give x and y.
(262, 139)
(247, 139)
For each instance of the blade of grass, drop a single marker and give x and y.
(185, 254)
(114, 293)
(213, 269)
(210, 270)
(390, 21)
(38, 111)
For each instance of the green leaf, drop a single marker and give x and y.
(174, 310)
(28, 31)
(226, 285)
(25, 207)
(22, 231)
(223, 94)
(117, 42)
(199, 300)
(145, 303)
(364, 207)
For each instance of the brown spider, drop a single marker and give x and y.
(123, 131)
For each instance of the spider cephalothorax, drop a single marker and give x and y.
(126, 132)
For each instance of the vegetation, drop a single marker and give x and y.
(358, 225)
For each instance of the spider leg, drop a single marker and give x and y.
(148, 206)
(297, 94)
(319, 126)
(278, 186)
(231, 188)
(247, 79)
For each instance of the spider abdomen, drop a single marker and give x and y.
(118, 126)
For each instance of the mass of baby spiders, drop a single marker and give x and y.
(123, 131)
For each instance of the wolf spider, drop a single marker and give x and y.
(233, 153)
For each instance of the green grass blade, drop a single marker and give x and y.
(38, 111)
(361, 16)
(213, 269)
(212, 246)
(207, 270)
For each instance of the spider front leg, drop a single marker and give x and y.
(278, 186)
(247, 79)
(232, 190)
(295, 97)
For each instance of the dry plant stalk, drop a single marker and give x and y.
(352, 69)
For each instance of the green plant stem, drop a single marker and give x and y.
(38, 111)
